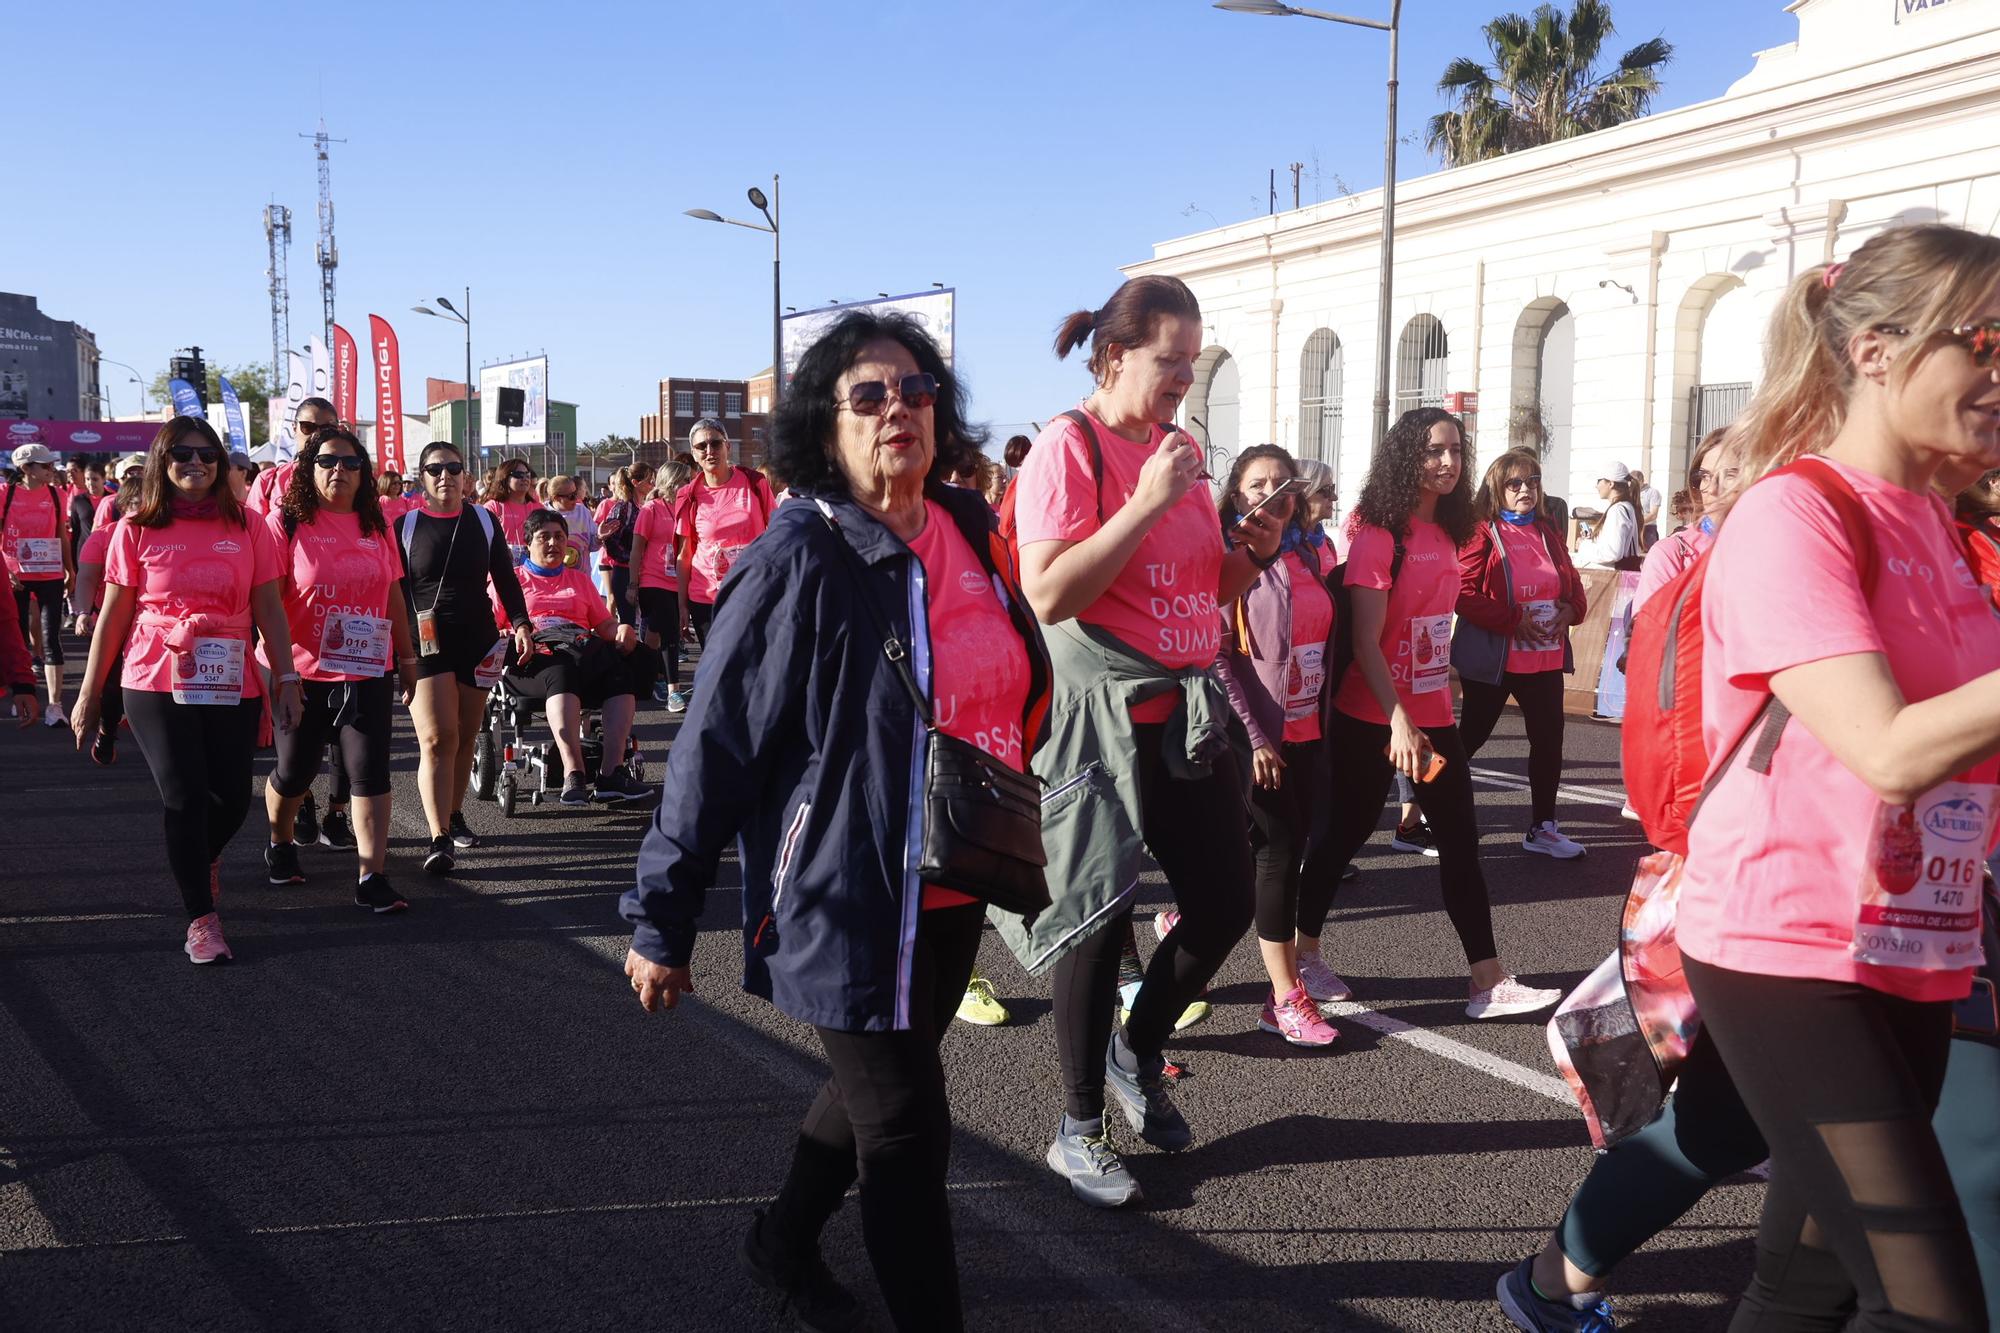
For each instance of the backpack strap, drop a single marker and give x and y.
(1083, 423)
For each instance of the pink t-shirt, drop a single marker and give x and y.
(1416, 632)
(394, 507)
(979, 666)
(32, 542)
(1163, 602)
(659, 523)
(513, 518)
(92, 553)
(1312, 632)
(1668, 560)
(567, 595)
(267, 492)
(106, 507)
(336, 584)
(720, 521)
(1538, 591)
(192, 576)
(1776, 862)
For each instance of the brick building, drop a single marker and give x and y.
(684, 400)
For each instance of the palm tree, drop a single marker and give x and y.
(1543, 84)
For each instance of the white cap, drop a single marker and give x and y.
(1617, 472)
(33, 453)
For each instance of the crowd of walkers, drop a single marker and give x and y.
(927, 702)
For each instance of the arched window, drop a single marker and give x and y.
(1319, 398)
(1223, 410)
(1420, 364)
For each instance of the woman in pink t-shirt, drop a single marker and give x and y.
(186, 576)
(721, 512)
(509, 496)
(41, 566)
(1518, 596)
(1392, 707)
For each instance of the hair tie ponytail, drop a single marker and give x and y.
(1832, 275)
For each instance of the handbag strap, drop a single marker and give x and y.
(1506, 565)
(892, 647)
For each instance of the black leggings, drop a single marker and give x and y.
(354, 716)
(699, 615)
(619, 579)
(884, 1116)
(660, 612)
(1198, 832)
(1360, 783)
(1861, 1218)
(200, 757)
(48, 595)
(1281, 822)
(1540, 694)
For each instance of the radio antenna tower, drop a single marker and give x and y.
(278, 236)
(329, 253)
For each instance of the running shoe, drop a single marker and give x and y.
(807, 1288)
(305, 824)
(1165, 922)
(281, 861)
(575, 791)
(1320, 981)
(660, 691)
(1297, 1020)
(1627, 812)
(1417, 839)
(461, 832)
(677, 701)
(1547, 839)
(336, 830)
(1509, 997)
(1197, 1011)
(1530, 1310)
(1142, 1095)
(104, 750)
(204, 940)
(1352, 873)
(53, 715)
(375, 893)
(1083, 1156)
(980, 1007)
(614, 786)
(440, 861)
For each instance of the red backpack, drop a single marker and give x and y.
(1667, 766)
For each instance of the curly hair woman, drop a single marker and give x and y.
(1392, 708)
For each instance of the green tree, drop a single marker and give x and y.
(252, 383)
(1543, 84)
(613, 448)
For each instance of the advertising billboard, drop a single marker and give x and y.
(936, 310)
(532, 378)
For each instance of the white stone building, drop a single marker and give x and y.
(1618, 284)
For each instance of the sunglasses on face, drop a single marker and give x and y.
(520, 476)
(443, 469)
(1515, 484)
(565, 495)
(1981, 339)
(707, 446)
(351, 462)
(188, 453)
(870, 398)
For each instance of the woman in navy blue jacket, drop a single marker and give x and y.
(804, 744)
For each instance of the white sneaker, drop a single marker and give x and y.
(1509, 997)
(1627, 812)
(53, 715)
(1165, 922)
(1320, 981)
(1548, 840)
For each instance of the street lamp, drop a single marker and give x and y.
(768, 207)
(1393, 27)
(136, 379)
(464, 317)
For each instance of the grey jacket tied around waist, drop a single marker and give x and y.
(1090, 802)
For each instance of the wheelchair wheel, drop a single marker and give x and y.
(485, 765)
(509, 788)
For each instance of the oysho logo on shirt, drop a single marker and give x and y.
(226, 547)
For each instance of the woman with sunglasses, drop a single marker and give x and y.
(509, 495)
(1518, 596)
(1392, 708)
(452, 552)
(617, 518)
(656, 566)
(722, 511)
(1711, 475)
(34, 544)
(583, 658)
(389, 494)
(267, 489)
(342, 591)
(186, 576)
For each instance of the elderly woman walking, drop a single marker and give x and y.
(808, 741)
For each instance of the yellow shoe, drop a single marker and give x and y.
(979, 1007)
(1194, 1013)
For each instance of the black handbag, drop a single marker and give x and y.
(982, 820)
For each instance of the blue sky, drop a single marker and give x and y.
(542, 154)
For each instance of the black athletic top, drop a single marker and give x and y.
(458, 588)
(82, 509)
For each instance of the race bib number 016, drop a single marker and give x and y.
(210, 671)
(1920, 895)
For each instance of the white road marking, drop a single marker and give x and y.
(65, 919)
(1493, 777)
(1507, 1071)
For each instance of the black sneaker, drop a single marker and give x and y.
(336, 830)
(1140, 1090)
(376, 894)
(281, 862)
(461, 832)
(440, 861)
(1417, 839)
(807, 1288)
(614, 786)
(104, 750)
(575, 791)
(305, 825)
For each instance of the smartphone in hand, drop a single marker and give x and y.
(1290, 486)
(1431, 769)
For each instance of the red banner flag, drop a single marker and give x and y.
(346, 378)
(388, 395)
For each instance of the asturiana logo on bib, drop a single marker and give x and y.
(1959, 820)
(972, 581)
(226, 547)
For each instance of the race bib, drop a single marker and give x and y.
(1303, 679)
(354, 645)
(723, 558)
(209, 671)
(39, 555)
(1539, 634)
(1920, 892)
(1430, 654)
(487, 674)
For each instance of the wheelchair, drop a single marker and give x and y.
(506, 765)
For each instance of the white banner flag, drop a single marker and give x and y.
(285, 441)
(322, 369)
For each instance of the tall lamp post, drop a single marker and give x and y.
(464, 317)
(105, 360)
(1393, 27)
(769, 208)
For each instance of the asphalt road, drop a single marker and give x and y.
(458, 1117)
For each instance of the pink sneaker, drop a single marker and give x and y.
(1509, 997)
(1165, 922)
(1320, 981)
(204, 940)
(1298, 1021)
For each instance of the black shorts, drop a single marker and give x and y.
(596, 673)
(660, 612)
(354, 715)
(461, 648)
